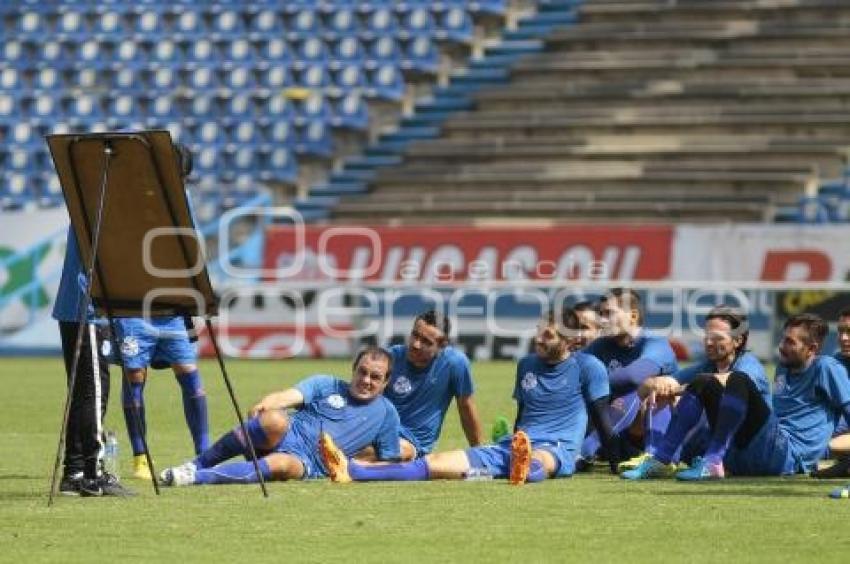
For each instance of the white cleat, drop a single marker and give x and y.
(183, 475)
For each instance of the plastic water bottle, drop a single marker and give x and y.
(478, 475)
(110, 454)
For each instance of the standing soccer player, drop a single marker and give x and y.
(554, 389)
(159, 342)
(355, 414)
(427, 374)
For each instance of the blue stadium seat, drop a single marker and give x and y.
(487, 7)
(239, 77)
(15, 53)
(266, 22)
(166, 52)
(210, 133)
(246, 133)
(9, 107)
(45, 108)
(381, 21)
(20, 160)
(812, 210)
(202, 51)
(455, 24)
(31, 24)
(417, 21)
(239, 51)
(149, 22)
(125, 79)
(53, 54)
(240, 107)
(350, 76)
(275, 77)
(200, 107)
(282, 166)
(348, 49)
(275, 50)
(386, 83)
(83, 110)
(243, 159)
(281, 133)
(128, 53)
(311, 50)
(162, 108)
(71, 25)
(48, 79)
(350, 111)
(189, 24)
(421, 54)
(304, 23)
(205, 158)
(314, 108)
(11, 79)
(14, 192)
(122, 108)
(50, 193)
(383, 50)
(314, 139)
(315, 75)
(110, 22)
(277, 109)
(342, 22)
(92, 54)
(202, 77)
(228, 23)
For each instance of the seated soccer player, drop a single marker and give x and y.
(631, 355)
(589, 323)
(810, 393)
(354, 413)
(839, 446)
(427, 373)
(553, 389)
(159, 342)
(724, 342)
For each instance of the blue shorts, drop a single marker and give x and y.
(162, 339)
(768, 454)
(407, 435)
(496, 459)
(293, 445)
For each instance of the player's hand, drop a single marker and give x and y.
(256, 410)
(666, 388)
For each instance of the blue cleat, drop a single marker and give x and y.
(648, 468)
(702, 469)
(840, 493)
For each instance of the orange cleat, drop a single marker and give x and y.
(520, 458)
(335, 461)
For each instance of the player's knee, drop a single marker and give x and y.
(408, 451)
(137, 376)
(738, 384)
(275, 424)
(284, 466)
(181, 370)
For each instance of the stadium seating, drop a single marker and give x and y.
(636, 110)
(181, 65)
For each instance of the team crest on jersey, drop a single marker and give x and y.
(402, 386)
(779, 384)
(529, 381)
(129, 346)
(106, 348)
(613, 365)
(336, 401)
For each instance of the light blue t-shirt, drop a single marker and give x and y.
(843, 425)
(747, 363)
(353, 424)
(648, 347)
(808, 405)
(422, 396)
(553, 398)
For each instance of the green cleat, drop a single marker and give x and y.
(649, 468)
(501, 428)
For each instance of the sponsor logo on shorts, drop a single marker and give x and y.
(336, 401)
(129, 346)
(402, 386)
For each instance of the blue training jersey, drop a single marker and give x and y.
(808, 405)
(843, 425)
(747, 363)
(648, 347)
(422, 396)
(72, 284)
(553, 398)
(353, 424)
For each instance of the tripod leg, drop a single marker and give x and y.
(230, 391)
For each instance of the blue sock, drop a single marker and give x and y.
(590, 446)
(655, 426)
(134, 395)
(234, 473)
(416, 470)
(232, 444)
(687, 414)
(195, 409)
(732, 412)
(537, 472)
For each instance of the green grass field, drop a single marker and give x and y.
(589, 517)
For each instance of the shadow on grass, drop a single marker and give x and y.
(754, 488)
(21, 477)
